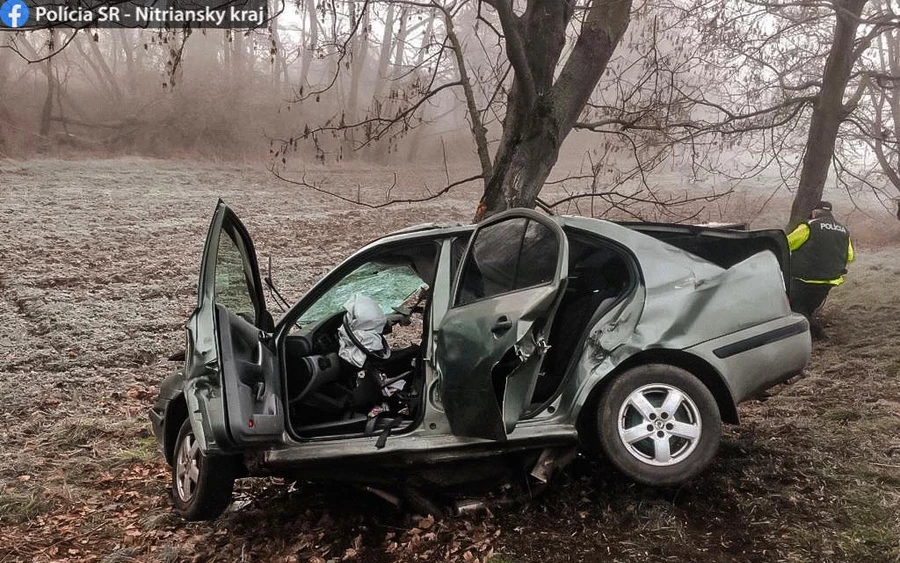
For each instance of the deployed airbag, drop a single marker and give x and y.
(366, 319)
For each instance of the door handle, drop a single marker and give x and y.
(502, 325)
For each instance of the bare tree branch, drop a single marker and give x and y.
(358, 201)
(515, 49)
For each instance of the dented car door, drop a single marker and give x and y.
(492, 341)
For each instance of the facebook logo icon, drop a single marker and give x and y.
(14, 13)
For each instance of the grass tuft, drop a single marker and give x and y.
(140, 450)
(19, 507)
(842, 415)
(871, 530)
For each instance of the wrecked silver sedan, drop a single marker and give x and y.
(432, 353)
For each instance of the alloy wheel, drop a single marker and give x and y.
(187, 468)
(659, 424)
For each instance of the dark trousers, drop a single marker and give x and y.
(806, 298)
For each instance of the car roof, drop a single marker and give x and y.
(429, 227)
(599, 226)
(423, 231)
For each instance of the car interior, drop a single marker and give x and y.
(328, 395)
(599, 276)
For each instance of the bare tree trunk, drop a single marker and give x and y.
(479, 132)
(276, 54)
(113, 53)
(540, 112)
(4, 61)
(400, 45)
(98, 65)
(47, 110)
(415, 141)
(57, 91)
(359, 52)
(6, 117)
(130, 67)
(310, 41)
(358, 63)
(384, 58)
(237, 56)
(104, 68)
(227, 38)
(829, 111)
(177, 57)
(426, 39)
(140, 53)
(888, 157)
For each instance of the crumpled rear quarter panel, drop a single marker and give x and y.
(681, 302)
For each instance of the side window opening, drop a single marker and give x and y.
(513, 254)
(457, 249)
(233, 286)
(491, 266)
(538, 258)
(598, 275)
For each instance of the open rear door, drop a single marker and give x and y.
(232, 385)
(491, 342)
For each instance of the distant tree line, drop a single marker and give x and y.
(806, 87)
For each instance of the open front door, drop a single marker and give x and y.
(232, 386)
(491, 342)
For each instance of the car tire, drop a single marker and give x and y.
(201, 484)
(658, 424)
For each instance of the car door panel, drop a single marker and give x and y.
(520, 382)
(249, 371)
(477, 360)
(231, 381)
(490, 347)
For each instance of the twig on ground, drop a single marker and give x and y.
(890, 465)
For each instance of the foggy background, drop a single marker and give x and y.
(700, 102)
(116, 144)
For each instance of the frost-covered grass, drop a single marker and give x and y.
(98, 271)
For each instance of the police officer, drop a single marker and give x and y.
(820, 252)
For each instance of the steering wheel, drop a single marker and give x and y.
(359, 345)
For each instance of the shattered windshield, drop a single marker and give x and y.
(389, 286)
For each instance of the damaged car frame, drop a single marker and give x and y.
(538, 334)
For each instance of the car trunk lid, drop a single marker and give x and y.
(724, 247)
